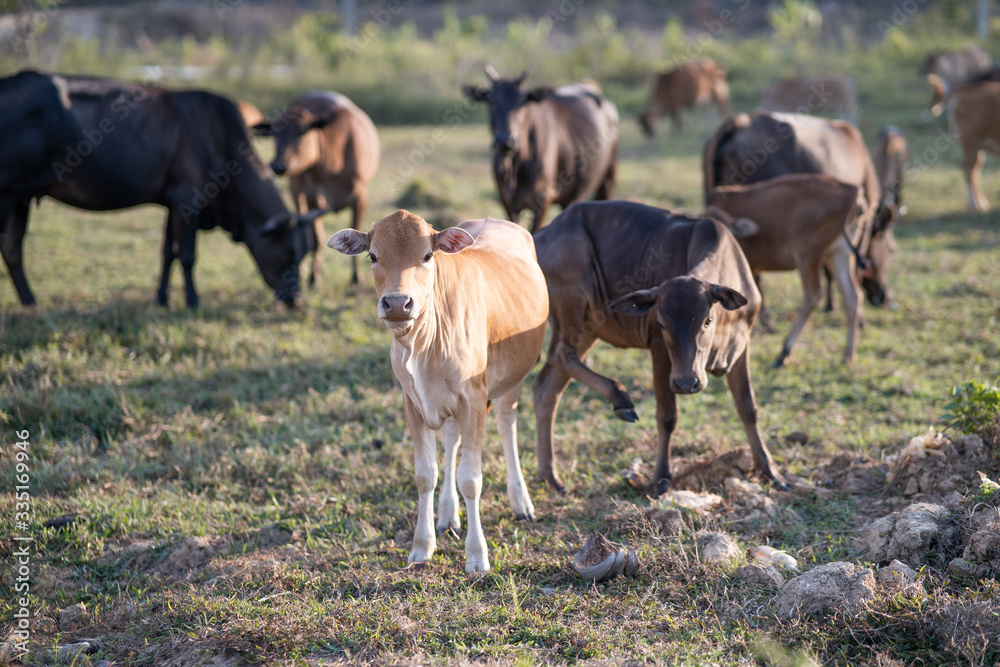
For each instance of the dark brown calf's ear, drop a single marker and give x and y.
(539, 94)
(729, 298)
(475, 93)
(635, 303)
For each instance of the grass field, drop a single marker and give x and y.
(243, 480)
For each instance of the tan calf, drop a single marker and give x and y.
(811, 94)
(801, 223)
(696, 83)
(467, 310)
(974, 110)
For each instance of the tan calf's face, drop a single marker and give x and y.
(401, 248)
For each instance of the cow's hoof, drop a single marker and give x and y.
(627, 414)
(451, 527)
(779, 484)
(530, 518)
(779, 362)
(662, 486)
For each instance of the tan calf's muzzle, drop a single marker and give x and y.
(395, 307)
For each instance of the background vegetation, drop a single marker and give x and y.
(241, 478)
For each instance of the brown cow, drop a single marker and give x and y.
(837, 94)
(890, 157)
(749, 148)
(549, 145)
(973, 110)
(638, 276)
(467, 328)
(696, 83)
(329, 149)
(945, 70)
(802, 222)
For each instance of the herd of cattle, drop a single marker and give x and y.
(468, 306)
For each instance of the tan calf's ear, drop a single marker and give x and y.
(349, 242)
(452, 240)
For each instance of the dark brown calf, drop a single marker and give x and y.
(638, 276)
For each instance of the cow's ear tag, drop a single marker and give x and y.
(452, 240)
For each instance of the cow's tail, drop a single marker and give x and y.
(711, 149)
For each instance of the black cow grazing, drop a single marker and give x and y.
(750, 148)
(638, 276)
(102, 145)
(549, 145)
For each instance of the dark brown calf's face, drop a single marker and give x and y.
(505, 98)
(296, 140)
(401, 248)
(875, 281)
(687, 311)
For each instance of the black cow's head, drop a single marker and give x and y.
(687, 311)
(505, 98)
(296, 145)
(279, 248)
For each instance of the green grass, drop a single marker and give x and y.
(157, 426)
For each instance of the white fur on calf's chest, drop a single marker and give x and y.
(428, 389)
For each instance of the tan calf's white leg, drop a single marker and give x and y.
(517, 489)
(840, 260)
(451, 436)
(470, 483)
(425, 471)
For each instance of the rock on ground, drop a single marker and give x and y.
(714, 547)
(835, 587)
(934, 467)
(765, 576)
(910, 535)
(73, 617)
(898, 578)
(970, 628)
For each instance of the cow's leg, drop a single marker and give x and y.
(972, 165)
(675, 114)
(15, 221)
(828, 308)
(425, 471)
(169, 254)
(316, 267)
(540, 208)
(549, 385)
(567, 358)
(666, 417)
(447, 519)
(842, 262)
(606, 191)
(186, 255)
(470, 480)
(740, 387)
(765, 313)
(811, 293)
(505, 412)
